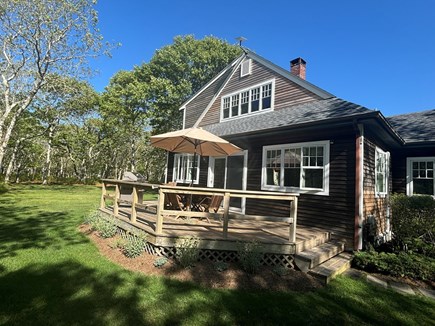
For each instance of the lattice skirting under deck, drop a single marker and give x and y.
(268, 259)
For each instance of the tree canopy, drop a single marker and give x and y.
(179, 70)
(73, 133)
(40, 38)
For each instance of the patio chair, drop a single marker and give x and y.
(175, 203)
(211, 204)
(167, 201)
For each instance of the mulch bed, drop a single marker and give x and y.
(204, 273)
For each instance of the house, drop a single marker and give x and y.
(413, 164)
(342, 158)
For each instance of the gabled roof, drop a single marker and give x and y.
(286, 74)
(311, 112)
(415, 127)
(221, 75)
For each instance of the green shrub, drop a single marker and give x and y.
(91, 219)
(118, 243)
(159, 262)
(106, 228)
(281, 271)
(134, 244)
(397, 264)
(413, 220)
(220, 266)
(250, 256)
(187, 251)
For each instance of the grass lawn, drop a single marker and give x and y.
(50, 274)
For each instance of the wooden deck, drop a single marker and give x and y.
(221, 231)
(272, 235)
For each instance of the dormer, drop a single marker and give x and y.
(255, 99)
(250, 85)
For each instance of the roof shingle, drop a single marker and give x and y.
(415, 127)
(314, 111)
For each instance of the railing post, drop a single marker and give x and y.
(293, 215)
(226, 213)
(115, 203)
(160, 207)
(133, 204)
(103, 194)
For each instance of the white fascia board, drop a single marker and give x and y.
(203, 88)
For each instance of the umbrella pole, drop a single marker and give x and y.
(194, 164)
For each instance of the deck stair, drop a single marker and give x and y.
(324, 261)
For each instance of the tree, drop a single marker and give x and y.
(177, 71)
(24, 137)
(39, 38)
(62, 100)
(124, 110)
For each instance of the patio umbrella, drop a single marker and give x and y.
(194, 141)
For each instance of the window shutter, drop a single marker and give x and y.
(245, 68)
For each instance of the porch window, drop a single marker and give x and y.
(183, 169)
(248, 101)
(302, 167)
(420, 176)
(382, 162)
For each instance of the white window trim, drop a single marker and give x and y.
(409, 177)
(185, 179)
(382, 194)
(211, 169)
(323, 192)
(260, 111)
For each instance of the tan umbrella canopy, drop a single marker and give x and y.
(194, 141)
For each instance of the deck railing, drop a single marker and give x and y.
(225, 214)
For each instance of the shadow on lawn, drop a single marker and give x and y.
(25, 227)
(70, 293)
(66, 294)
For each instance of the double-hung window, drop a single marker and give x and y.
(258, 98)
(420, 176)
(184, 171)
(302, 167)
(382, 162)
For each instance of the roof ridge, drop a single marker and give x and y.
(409, 113)
(287, 74)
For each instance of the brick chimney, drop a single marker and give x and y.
(298, 67)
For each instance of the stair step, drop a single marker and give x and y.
(313, 257)
(313, 241)
(332, 267)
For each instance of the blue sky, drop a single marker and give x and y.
(380, 54)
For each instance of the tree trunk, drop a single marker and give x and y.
(12, 112)
(17, 176)
(12, 161)
(61, 167)
(133, 156)
(47, 165)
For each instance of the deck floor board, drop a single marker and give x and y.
(265, 232)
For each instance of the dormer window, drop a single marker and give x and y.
(256, 99)
(245, 68)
